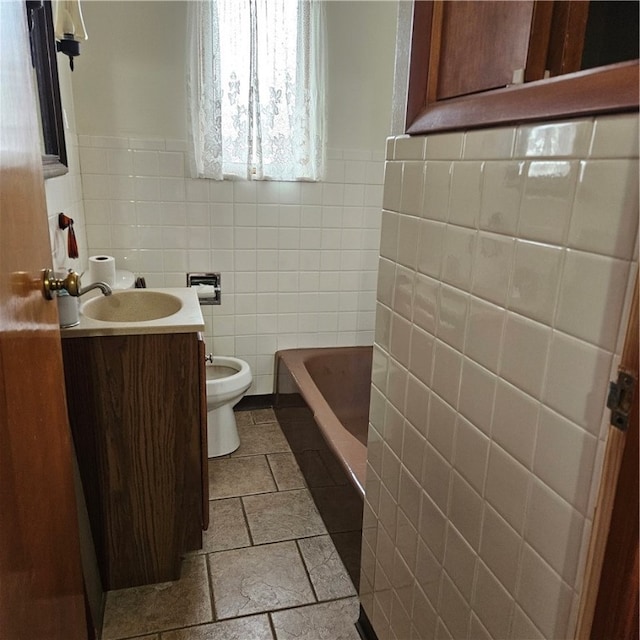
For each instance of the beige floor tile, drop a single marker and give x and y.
(286, 471)
(263, 415)
(168, 605)
(243, 418)
(250, 628)
(325, 621)
(227, 526)
(328, 575)
(282, 516)
(260, 438)
(258, 579)
(232, 477)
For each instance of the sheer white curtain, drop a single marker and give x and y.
(255, 83)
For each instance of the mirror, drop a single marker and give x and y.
(43, 58)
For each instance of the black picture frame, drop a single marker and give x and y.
(43, 58)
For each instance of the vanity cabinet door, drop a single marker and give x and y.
(134, 409)
(203, 432)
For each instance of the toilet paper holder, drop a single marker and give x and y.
(208, 287)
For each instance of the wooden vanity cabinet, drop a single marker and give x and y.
(136, 413)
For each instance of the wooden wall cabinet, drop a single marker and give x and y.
(476, 64)
(136, 412)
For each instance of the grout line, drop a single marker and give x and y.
(269, 612)
(273, 475)
(268, 542)
(242, 456)
(243, 546)
(246, 522)
(210, 583)
(272, 625)
(306, 570)
(241, 495)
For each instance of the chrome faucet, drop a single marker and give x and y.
(103, 286)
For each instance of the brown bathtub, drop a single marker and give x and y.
(322, 404)
(335, 383)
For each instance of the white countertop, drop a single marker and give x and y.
(187, 320)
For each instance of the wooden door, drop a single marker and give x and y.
(41, 590)
(609, 599)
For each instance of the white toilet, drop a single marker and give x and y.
(227, 381)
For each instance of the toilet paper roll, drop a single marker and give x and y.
(102, 269)
(208, 294)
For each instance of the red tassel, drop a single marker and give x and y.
(64, 222)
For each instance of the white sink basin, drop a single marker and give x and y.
(135, 305)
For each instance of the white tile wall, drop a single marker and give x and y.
(298, 260)
(512, 305)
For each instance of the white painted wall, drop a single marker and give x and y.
(402, 63)
(64, 193)
(129, 79)
(362, 38)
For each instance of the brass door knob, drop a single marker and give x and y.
(70, 284)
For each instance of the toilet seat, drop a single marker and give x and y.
(224, 384)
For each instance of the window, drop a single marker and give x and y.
(256, 89)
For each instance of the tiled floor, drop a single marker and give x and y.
(268, 569)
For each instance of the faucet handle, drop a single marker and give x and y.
(71, 283)
(209, 358)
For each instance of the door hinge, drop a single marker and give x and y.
(620, 399)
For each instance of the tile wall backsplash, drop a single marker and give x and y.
(507, 260)
(298, 260)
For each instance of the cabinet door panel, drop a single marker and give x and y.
(568, 26)
(204, 460)
(482, 43)
(134, 408)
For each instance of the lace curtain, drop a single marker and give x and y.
(255, 83)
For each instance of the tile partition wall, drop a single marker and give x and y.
(298, 260)
(507, 261)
